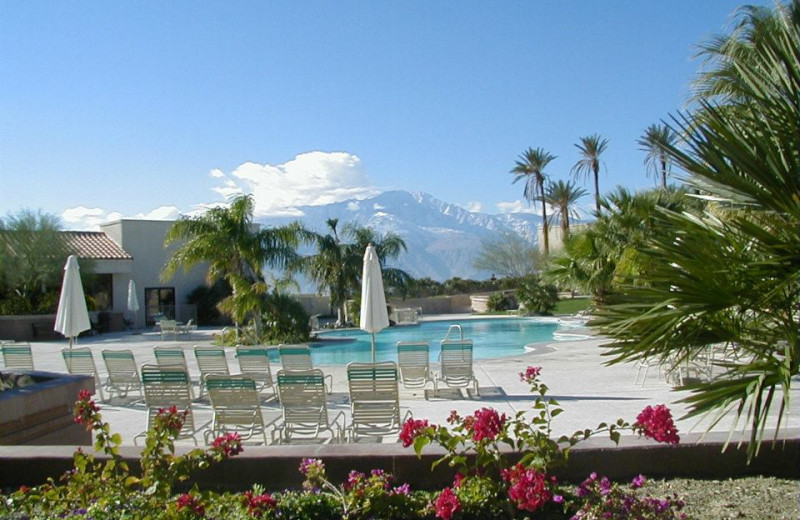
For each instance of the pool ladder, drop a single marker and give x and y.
(453, 329)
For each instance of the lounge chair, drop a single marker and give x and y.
(304, 408)
(414, 360)
(254, 362)
(237, 407)
(374, 399)
(298, 357)
(166, 386)
(168, 328)
(79, 360)
(18, 356)
(455, 365)
(187, 329)
(210, 360)
(123, 376)
(166, 356)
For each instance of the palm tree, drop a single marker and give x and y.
(591, 148)
(731, 274)
(655, 142)
(563, 196)
(530, 166)
(235, 249)
(337, 264)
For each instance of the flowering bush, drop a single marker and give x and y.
(473, 444)
(603, 499)
(485, 484)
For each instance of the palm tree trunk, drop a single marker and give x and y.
(545, 231)
(663, 174)
(597, 189)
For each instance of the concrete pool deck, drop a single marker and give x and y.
(573, 369)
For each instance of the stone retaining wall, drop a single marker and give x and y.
(276, 467)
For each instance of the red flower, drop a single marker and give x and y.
(487, 424)
(257, 505)
(530, 374)
(528, 488)
(411, 430)
(171, 419)
(85, 409)
(656, 423)
(187, 501)
(446, 504)
(459, 478)
(229, 444)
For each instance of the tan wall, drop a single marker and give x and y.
(458, 304)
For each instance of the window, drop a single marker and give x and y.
(159, 303)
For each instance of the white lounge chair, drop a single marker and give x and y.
(374, 399)
(210, 360)
(123, 375)
(237, 408)
(18, 356)
(79, 360)
(166, 386)
(455, 365)
(304, 408)
(254, 362)
(414, 360)
(298, 357)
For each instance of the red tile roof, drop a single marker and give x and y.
(94, 244)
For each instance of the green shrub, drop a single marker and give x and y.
(536, 296)
(499, 302)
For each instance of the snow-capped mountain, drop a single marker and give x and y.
(443, 239)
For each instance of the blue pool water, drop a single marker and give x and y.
(492, 338)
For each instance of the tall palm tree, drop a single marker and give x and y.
(564, 196)
(590, 147)
(235, 249)
(655, 142)
(731, 274)
(530, 166)
(337, 264)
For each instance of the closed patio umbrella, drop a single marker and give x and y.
(374, 317)
(133, 300)
(72, 317)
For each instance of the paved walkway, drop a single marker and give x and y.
(574, 370)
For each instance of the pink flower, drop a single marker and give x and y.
(530, 374)
(656, 423)
(528, 488)
(85, 409)
(487, 424)
(453, 417)
(171, 419)
(457, 480)
(638, 481)
(187, 501)
(229, 444)
(354, 478)
(311, 465)
(257, 505)
(405, 489)
(446, 504)
(411, 430)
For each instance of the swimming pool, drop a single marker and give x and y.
(492, 337)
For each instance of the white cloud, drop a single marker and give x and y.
(312, 178)
(377, 206)
(160, 213)
(475, 206)
(87, 219)
(216, 173)
(353, 206)
(515, 206)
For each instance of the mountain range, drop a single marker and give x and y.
(443, 239)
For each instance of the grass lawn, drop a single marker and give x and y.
(572, 305)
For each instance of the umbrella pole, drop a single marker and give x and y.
(70, 355)
(373, 347)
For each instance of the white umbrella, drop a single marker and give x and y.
(133, 300)
(374, 317)
(72, 317)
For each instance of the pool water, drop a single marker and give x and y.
(492, 338)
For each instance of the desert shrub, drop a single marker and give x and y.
(536, 296)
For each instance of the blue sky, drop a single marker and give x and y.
(151, 109)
